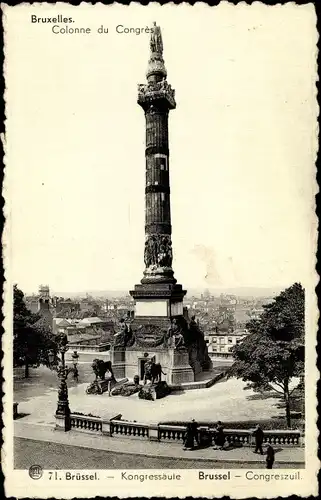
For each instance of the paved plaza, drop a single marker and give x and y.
(226, 401)
(62, 456)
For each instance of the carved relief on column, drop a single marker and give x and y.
(158, 251)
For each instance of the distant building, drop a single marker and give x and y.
(44, 303)
(66, 306)
(60, 325)
(256, 312)
(32, 303)
(92, 328)
(220, 344)
(44, 291)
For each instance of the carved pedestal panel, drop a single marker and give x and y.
(118, 361)
(180, 371)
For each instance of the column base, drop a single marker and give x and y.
(118, 361)
(180, 371)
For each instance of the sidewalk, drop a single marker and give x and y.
(151, 449)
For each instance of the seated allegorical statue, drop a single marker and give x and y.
(174, 336)
(122, 338)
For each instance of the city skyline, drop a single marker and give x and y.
(241, 155)
(243, 292)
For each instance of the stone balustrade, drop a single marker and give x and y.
(85, 423)
(90, 347)
(236, 437)
(129, 429)
(116, 427)
(171, 432)
(282, 438)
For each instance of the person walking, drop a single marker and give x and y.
(219, 436)
(269, 457)
(76, 374)
(259, 435)
(191, 435)
(194, 429)
(188, 438)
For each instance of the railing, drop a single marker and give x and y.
(85, 423)
(130, 429)
(90, 347)
(171, 432)
(236, 436)
(176, 433)
(282, 438)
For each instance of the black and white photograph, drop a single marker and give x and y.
(159, 250)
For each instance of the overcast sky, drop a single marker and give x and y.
(242, 146)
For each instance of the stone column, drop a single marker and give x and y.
(157, 98)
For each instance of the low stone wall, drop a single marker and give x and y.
(116, 427)
(202, 384)
(89, 347)
(85, 423)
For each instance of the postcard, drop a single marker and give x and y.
(159, 250)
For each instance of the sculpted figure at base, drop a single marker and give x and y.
(128, 388)
(124, 337)
(153, 372)
(105, 378)
(174, 336)
(198, 353)
(150, 392)
(102, 369)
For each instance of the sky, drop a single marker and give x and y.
(242, 146)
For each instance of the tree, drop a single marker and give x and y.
(273, 353)
(32, 337)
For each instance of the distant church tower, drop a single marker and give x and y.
(44, 305)
(44, 298)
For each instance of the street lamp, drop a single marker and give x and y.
(63, 410)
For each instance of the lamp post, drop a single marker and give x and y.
(63, 410)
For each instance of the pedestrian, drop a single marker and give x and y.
(219, 436)
(269, 457)
(188, 438)
(191, 435)
(194, 427)
(259, 435)
(76, 374)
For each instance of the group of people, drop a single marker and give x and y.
(192, 436)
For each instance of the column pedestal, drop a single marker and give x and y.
(118, 361)
(180, 370)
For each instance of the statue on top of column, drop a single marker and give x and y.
(156, 42)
